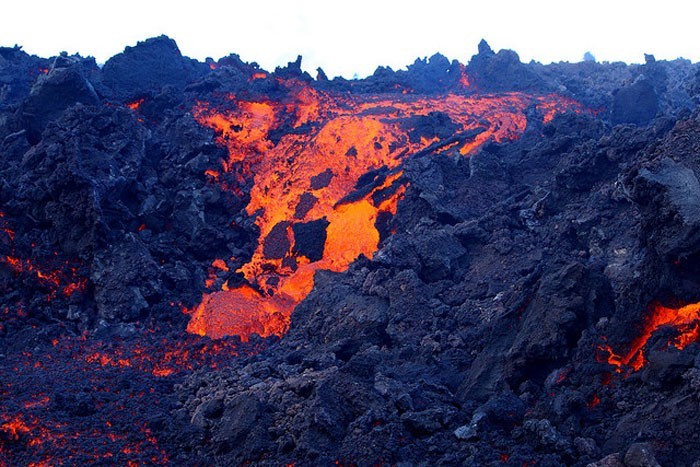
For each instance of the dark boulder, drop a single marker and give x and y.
(636, 103)
(148, 67)
(87, 165)
(18, 72)
(669, 194)
(567, 302)
(126, 281)
(502, 71)
(64, 86)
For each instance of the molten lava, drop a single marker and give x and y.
(325, 167)
(685, 320)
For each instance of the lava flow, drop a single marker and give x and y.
(685, 320)
(99, 418)
(325, 168)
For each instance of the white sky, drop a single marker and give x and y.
(355, 36)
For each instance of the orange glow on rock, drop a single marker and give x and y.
(5, 227)
(594, 402)
(464, 78)
(163, 372)
(685, 320)
(212, 173)
(15, 428)
(135, 104)
(74, 287)
(63, 278)
(305, 183)
(56, 276)
(551, 108)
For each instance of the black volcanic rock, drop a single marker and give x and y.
(431, 75)
(502, 71)
(672, 193)
(293, 71)
(636, 103)
(84, 167)
(428, 75)
(566, 303)
(310, 238)
(148, 67)
(429, 126)
(18, 71)
(65, 85)
(126, 280)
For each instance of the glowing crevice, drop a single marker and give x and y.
(685, 320)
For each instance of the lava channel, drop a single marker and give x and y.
(325, 167)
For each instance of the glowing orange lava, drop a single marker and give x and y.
(62, 277)
(117, 431)
(320, 185)
(135, 104)
(15, 428)
(594, 402)
(56, 276)
(685, 320)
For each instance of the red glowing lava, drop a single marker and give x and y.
(594, 402)
(309, 175)
(685, 320)
(135, 104)
(118, 379)
(50, 273)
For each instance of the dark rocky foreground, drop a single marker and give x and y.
(473, 336)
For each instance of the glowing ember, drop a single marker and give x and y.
(63, 277)
(594, 402)
(310, 210)
(464, 78)
(15, 428)
(112, 428)
(5, 227)
(212, 173)
(135, 104)
(56, 276)
(685, 320)
(74, 287)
